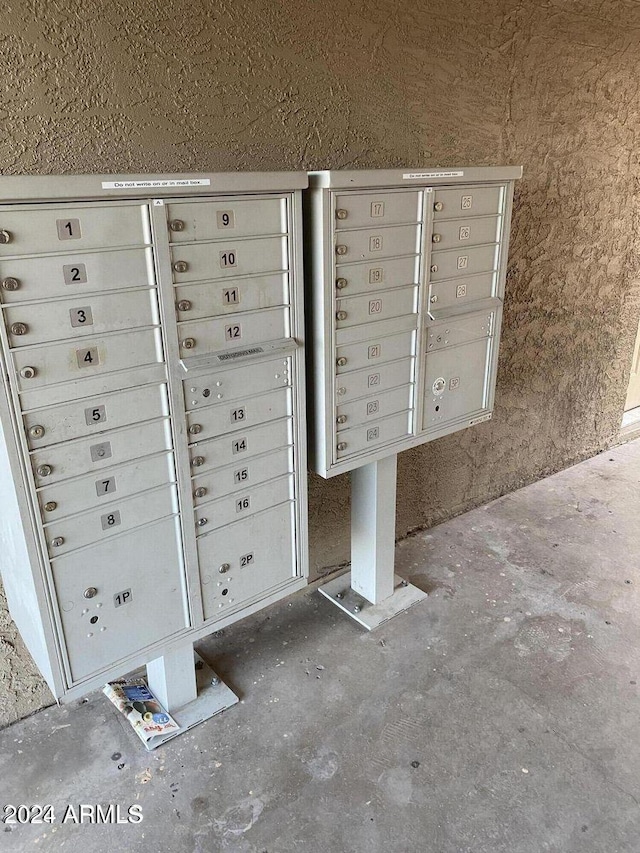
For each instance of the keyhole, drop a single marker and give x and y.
(437, 408)
(206, 392)
(93, 620)
(225, 591)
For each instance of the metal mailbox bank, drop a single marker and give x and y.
(152, 462)
(407, 273)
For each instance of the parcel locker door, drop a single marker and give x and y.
(247, 560)
(108, 610)
(456, 383)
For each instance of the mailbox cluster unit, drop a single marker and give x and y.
(407, 275)
(153, 462)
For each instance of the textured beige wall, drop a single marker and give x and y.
(285, 84)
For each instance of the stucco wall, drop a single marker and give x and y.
(286, 84)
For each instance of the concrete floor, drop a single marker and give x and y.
(502, 714)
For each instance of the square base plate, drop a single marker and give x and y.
(370, 616)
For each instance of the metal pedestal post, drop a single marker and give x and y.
(371, 593)
(188, 688)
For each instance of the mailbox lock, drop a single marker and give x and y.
(57, 542)
(341, 213)
(50, 506)
(341, 419)
(36, 431)
(202, 522)
(341, 315)
(5, 236)
(176, 225)
(341, 361)
(342, 445)
(433, 299)
(434, 267)
(184, 305)
(180, 266)
(28, 372)
(189, 343)
(436, 238)
(19, 329)
(439, 385)
(438, 206)
(194, 429)
(90, 592)
(224, 568)
(43, 470)
(197, 461)
(341, 250)
(341, 283)
(200, 492)
(10, 283)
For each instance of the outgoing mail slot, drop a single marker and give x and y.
(240, 445)
(74, 229)
(203, 336)
(114, 517)
(453, 292)
(372, 435)
(155, 551)
(74, 274)
(374, 351)
(460, 330)
(197, 301)
(246, 560)
(231, 384)
(243, 503)
(467, 201)
(456, 383)
(457, 263)
(222, 220)
(93, 415)
(99, 489)
(74, 360)
(352, 279)
(376, 306)
(218, 420)
(81, 316)
(374, 407)
(377, 243)
(228, 258)
(98, 452)
(472, 231)
(357, 210)
(364, 383)
(251, 472)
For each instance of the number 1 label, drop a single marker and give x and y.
(68, 229)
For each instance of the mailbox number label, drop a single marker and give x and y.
(374, 351)
(68, 229)
(238, 415)
(241, 475)
(454, 383)
(81, 316)
(466, 202)
(461, 290)
(228, 258)
(373, 407)
(377, 209)
(375, 306)
(233, 333)
(463, 262)
(376, 275)
(111, 519)
(226, 219)
(374, 379)
(239, 446)
(246, 560)
(74, 273)
(87, 357)
(124, 597)
(373, 433)
(464, 233)
(230, 296)
(243, 504)
(95, 415)
(375, 244)
(106, 486)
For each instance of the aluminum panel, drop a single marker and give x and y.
(377, 242)
(467, 201)
(382, 377)
(357, 310)
(455, 292)
(255, 555)
(458, 263)
(246, 502)
(470, 231)
(456, 383)
(374, 407)
(75, 274)
(228, 417)
(380, 275)
(460, 330)
(374, 351)
(198, 301)
(226, 219)
(240, 445)
(145, 618)
(228, 259)
(231, 384)
(373, 434)
(218, 334)
(236, 477)
(357, 210)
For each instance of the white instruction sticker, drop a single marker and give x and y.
(415, 176)
(146, 185)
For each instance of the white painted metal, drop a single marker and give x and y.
(371, 616)
(172, 677)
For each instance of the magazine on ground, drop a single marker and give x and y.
(145, 714)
